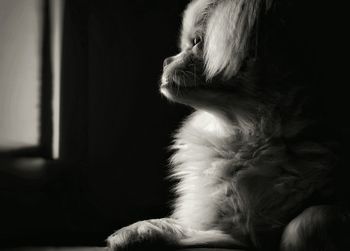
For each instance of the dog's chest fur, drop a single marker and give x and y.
(236, 182)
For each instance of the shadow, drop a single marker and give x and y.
(46, 88)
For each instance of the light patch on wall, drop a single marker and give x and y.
(19, 73)
(57, 22)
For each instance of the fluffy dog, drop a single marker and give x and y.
(248, 173)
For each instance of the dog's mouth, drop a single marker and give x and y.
(178, 83)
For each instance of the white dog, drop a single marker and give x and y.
(248, 176)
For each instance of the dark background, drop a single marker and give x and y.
(116, 127)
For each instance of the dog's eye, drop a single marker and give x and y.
(196, 40)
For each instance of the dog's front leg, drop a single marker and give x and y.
(165, 231)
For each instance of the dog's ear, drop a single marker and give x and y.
(227, 35)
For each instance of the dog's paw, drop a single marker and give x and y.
(121, 239)
(141, 234)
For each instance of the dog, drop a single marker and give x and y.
(249, 175)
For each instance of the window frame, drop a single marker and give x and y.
(43, 151)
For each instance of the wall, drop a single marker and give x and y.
(19, 72)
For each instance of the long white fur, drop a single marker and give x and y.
(199, 164)
(227, 34)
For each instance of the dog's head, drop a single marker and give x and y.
(222, 54)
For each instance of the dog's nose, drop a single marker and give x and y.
(167, 61)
